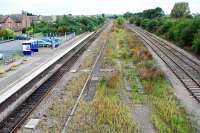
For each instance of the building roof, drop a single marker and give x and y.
(17, 17)
(2, 18)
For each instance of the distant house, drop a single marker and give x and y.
(15, 22)
(46, 18)
(37, 19)
(34, 19)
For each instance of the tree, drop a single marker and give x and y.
(128, 15)
(153, 13)
(62, 29)
(6, 33)
(180, 10)
(131, 20)
(138, 21)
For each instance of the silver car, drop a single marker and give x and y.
(1, 56)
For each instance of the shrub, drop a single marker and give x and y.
(144, 23)
(181, 32)
(120, 20)
(196, 42)
(152, 25)
(131, 20)
(187, 34)
(7, 33)
(138, 22)
(165, 27)
(13, 66)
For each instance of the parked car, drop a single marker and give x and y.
(47, 39)
(1, 56)
(43, 43)
(59, 41)
(22, 37)
(54, 41)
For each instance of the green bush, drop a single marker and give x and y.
(180, 31)
(138, 22)
(7, 33)
(164, 28)
(196, 42)
(144, 23)
(132, 20)
(187, 34)
(152, 25)
(120, 20)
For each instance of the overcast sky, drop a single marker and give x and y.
(89, 7)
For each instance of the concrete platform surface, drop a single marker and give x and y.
(32, 123)
(12, 81)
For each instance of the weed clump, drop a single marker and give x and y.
(148, 70)
(2, 71)
(13, 67)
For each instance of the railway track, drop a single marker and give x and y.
(186, 69)
(89, 83)
(19, 115)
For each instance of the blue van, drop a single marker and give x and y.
(29, 47)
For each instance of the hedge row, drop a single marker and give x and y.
(185, 32)
(66, 24)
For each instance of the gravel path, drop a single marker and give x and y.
(139, 112)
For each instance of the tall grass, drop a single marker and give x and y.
(105, 113)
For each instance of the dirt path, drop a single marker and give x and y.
(139, 112)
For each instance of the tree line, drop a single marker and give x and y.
(66, 24)
(180, 26)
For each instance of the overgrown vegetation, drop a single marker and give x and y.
(137, 64)
(105, 113)
(167, 113)
(181, 27)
